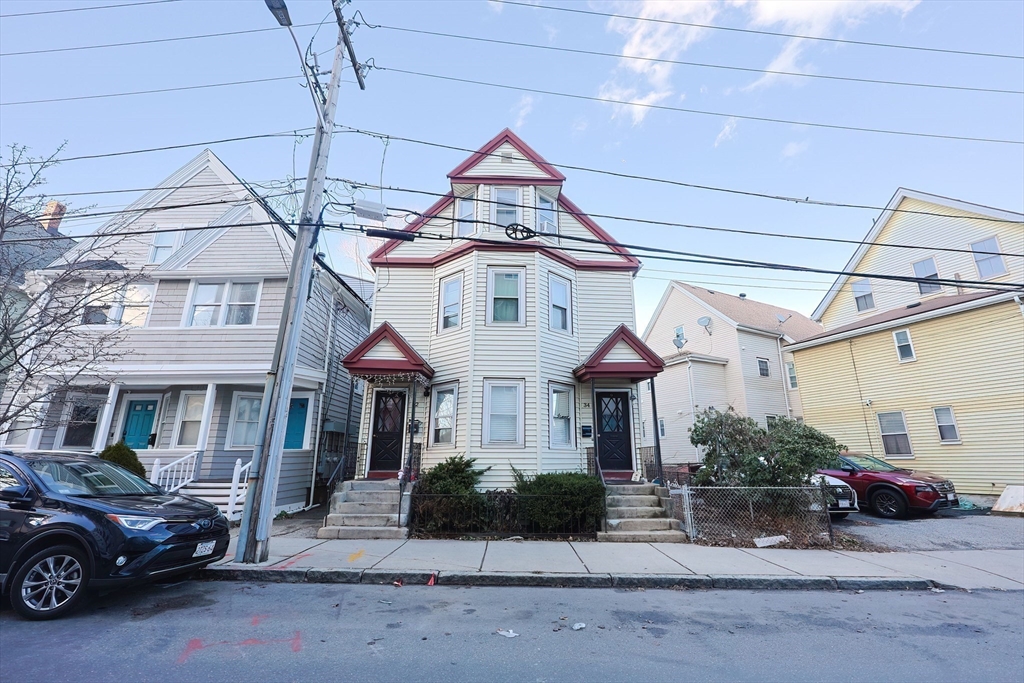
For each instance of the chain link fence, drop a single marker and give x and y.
(747, 517)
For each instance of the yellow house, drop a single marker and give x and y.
(928, 374)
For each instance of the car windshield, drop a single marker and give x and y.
(866, 462)
(90, 478)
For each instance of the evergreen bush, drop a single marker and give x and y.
(567, 502)
(120, 454)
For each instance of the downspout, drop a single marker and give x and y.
(657, 435)
(593, 436)
(785, 379)
(693, 405)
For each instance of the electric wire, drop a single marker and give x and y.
(845, 41)
(85, 9)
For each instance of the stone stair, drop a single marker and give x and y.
(365, 509)
(640, 513)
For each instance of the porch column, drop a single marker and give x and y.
(99, 439)
(593, 430)
(35, 435)
(657, 434)
(202, 440)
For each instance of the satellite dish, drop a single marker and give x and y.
(781, 318)
(704, 321)
(679, 342)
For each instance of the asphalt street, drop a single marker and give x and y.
(219, 631)
(945, 530)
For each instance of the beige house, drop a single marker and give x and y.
(511, 352)
(720, 351)
(195, 335)
(927, 374)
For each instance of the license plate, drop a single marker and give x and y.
(950, 496)
(204, 549)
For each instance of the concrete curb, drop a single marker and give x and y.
(471, 578)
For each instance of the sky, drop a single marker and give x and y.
(717, 150)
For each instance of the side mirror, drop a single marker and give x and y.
(850, 469)
(15, 494)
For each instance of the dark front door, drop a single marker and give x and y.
(388, 431)
(138, 424)
(613, 444)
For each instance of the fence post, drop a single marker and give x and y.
(155, 476)
(828, 517)
(688, 513)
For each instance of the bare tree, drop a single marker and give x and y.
(64, 303)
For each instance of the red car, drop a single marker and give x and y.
(892, 491)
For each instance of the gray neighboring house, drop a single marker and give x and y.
(198, 336)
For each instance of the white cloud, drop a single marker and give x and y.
(579, 125)
(551, 31)
(522, 110)
(728, 131)
(793, 149)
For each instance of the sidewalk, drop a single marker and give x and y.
(649, 565)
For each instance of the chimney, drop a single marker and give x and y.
(742, 295)
(959, 288)
(52, 216)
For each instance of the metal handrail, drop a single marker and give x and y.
(240, 475)
(181, 472)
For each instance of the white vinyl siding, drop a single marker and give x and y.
(443, 413)
(562, 423)
(560, 309)
(547, 218)
(506, 205)
(862, 295)
(904, 346)
(189, 418)
(503, 412)
(946, 423)
(989, 263)
(449, 314)
(926, 270)
(506, 296)
(465, 215)
(895, 439)
(245, 417)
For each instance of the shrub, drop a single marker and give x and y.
(456, 475)
(572, 502)
(120, 454)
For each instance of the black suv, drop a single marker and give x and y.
(73, 522)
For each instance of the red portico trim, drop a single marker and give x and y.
(458, 174)
(596, 367)
(356, 363)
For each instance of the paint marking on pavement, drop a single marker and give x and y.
(197, 644)
(258, 618)
(289, 563)
(356, 555)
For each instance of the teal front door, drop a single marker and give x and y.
(138, 424)
(295, 430)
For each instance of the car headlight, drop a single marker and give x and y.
(924, 489)
(136, 523)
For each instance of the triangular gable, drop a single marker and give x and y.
(606, 361)
(467, 172)
(623, 353)
(364, 359)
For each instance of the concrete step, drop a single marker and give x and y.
(361, 532)
(355, 508)
(371, 485)
(359, 496)
(362, 520)
(633, 501)
(635, 513)
(659, 524)
(641, 536)
(631, 489)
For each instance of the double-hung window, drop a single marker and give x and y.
(245, 416)
(190, 417)
(944, 420)
(987, 259)
(862, 295)
(763, 367)
(791, 374)
(223, 303)
(125, 306)
(450, 306)
(442, 415)
(465, 215)
(80, 425)
(562, 431)
(560, 294)
(547, 219)
(771, 421)
(506, 206)
(19, 430)
(135, 304)
(661, 427)
(503, 412)
(167, 242)
(895, 439)
(904, 346)
(506, 296)
(925, 271)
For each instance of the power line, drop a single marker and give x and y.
(678, 183)
(166, 187)
(865, 43)
(758, 233)
(85, 9)
(700, 112)
(703, 65)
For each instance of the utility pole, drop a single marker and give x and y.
(257, 516)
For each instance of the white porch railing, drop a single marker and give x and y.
(175, 474)
(239, 487)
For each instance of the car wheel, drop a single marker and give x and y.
(51, 583)
(839, 516)
(889, 504)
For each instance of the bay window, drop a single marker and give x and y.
(562, 431)
(503, 412)
(506, 206)
(506, 295)
(442, 414)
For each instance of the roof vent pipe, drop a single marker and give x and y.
(742, 295)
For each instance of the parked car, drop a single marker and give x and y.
(842, 499)
(892, 491)
(70, 523)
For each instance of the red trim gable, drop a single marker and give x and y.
(413, 362)
(593, 227)
(458, 174)
(595, 366)
(389, 246)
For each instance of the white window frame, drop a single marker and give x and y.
(229, 442)
(910, 343)
(186, 315)
(767, 365)
(179, 413)
(494, 204)
(987, 257)
(661, 428)
(933, 288)
(952, 415)
(769, 421)
(492, 272)
(65, 417)
(32, 424)
(461, 222)
(520, 441)
(441, 329)
(552, 386)
(791, 381)
(870, 292)
(538, 196)
(116, 307)
(435, 390)
(553, 277)
(182, 236)
(905, 432)
(306, 436)
(122, 417)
